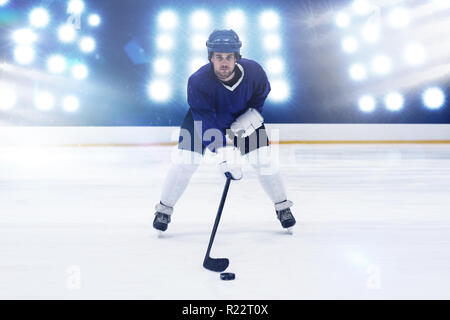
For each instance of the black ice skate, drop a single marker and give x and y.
(161, 221)
(285, 215)
(162, 217)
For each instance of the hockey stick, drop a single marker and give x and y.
(217, 264)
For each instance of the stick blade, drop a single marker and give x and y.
(217, 265)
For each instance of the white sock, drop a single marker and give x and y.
(266, 166)
(179, 175)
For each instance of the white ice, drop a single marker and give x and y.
(373, 223)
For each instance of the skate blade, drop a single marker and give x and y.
(290, 230)
(159, 234)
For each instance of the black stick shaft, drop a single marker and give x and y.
(219, 214)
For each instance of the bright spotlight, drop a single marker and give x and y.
(433, 98)
(24, 55)
(39, 18)
(235, 19)
(394, 101)
(342, 20)
(94, 20)
(75, 7)
(44, 101)
(371, 32)
(24, 36)
(9, 97)
(162, 66)
(200, 20)
(269, 20)
(159, 91)
(414, 54)
(167, 20)
(272, 42)
(3, 2)
(87, 44)
(164, 42)
(358, 72)
(71, 104)
(67, 33)
(350, 45)
(367, 104)
(198, 42)
(275, 66)
(196, 64)
(362, 7)
(381, 64)
(56, 64)
(280, 91)
(79, 71)
(399, 17)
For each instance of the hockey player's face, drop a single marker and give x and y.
(223, 65)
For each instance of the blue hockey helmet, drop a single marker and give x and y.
(223, 41)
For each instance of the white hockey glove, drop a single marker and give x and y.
(230, 162)
(247, 123)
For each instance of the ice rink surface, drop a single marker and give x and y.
(373, 222)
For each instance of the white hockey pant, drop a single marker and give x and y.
(186, 163)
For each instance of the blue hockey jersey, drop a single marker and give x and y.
(217, 105)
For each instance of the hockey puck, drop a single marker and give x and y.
(227, 276)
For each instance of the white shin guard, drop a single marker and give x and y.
(180, 173)
(267, 169)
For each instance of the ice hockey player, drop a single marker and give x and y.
(226, 97)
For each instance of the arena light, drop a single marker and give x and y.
(433, 98)
(164, 42)
(275, 66)
(56, 64)
(196, 64)
(272, 42)
(9, 97)
(44, 101)
(71, 104)
(75, 7)
(350, 45)
(67, 33)
(167, 20)
(280, 91)
(367, 103)
(358, 72)
(342, 20)
(235, 19)
(24, 55)
(159, 91)
(198, 42)
(3, 2)
(39, 18)
(94, 20)
(381, 64)
(269, 20)
(79, 71)
(200, 20)
(399, 17)
(24, 36)
(87, 44)
(362, 7)
(162, 66)
(414, 54)
(394, 101)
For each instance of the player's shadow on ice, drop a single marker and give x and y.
(225, 233)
